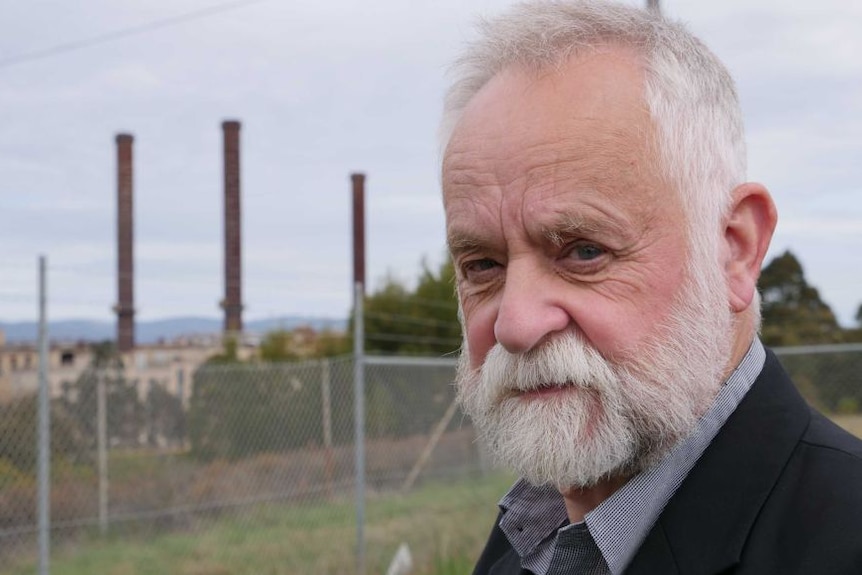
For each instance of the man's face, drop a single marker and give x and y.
(568, 242)
(556, 217)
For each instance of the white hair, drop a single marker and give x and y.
(691, 97)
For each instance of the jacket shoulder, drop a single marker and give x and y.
(812, 520)
(778, 487)
(823, 433)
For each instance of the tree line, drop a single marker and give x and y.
(794, 313)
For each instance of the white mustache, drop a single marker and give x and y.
(566, 361)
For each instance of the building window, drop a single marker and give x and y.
(67, 358)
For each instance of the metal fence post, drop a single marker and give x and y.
(181, 394)
(359, 417)
(102, 446)
(44, 449)
(326, 420)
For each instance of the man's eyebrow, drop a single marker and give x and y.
(460, 241)
(567, 225)
(563, 227)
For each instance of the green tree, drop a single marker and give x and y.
(238, 409)
(390, 324)
(229, 352)
(165, 416)
(437, 302)
(420, 321)
(243, 409)
(18, 434)
(793, 312)
(331, 344)
(282, 345)
(855, 334)
(125, 412)
(277, 346)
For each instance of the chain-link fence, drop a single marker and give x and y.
(269, 448)
(129, 457)
(830, 378)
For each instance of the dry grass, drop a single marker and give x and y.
(852, 423)
(444, 524)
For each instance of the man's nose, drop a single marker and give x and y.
(529, 308)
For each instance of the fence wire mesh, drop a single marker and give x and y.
(245, 439)
(828, 376)
(271, 447)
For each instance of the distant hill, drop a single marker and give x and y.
(153, 331)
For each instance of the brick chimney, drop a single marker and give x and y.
(232, 302)
(125, 307)
(357, 180)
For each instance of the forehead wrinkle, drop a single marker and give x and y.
(464, 231)
(460, 169)
(595, 159)
(499, 160)
(579, 177)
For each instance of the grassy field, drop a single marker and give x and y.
(445, 525)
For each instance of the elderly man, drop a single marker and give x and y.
(607, 249)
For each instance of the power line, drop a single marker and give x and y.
(399, 338)
(398, 318)
(125, 32)
(442, 303)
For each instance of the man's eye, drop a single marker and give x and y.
(480, 271)
(478, 266)
(587, 252)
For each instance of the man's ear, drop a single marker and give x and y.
(747, 234)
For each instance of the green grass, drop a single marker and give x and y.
(445, 525)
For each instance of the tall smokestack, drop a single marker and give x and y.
(232, 302)
(358, 184)
(125, 308)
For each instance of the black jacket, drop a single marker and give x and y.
(778, 491)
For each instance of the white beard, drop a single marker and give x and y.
(614, 418)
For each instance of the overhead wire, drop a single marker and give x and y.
(438, 303)
(124, 33)
(412, 339)
(397, 318)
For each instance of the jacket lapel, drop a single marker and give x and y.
(654, 556)
(705, 525)
(508, 564)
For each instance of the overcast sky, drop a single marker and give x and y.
(324, 88)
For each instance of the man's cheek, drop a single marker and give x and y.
(480, 339)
